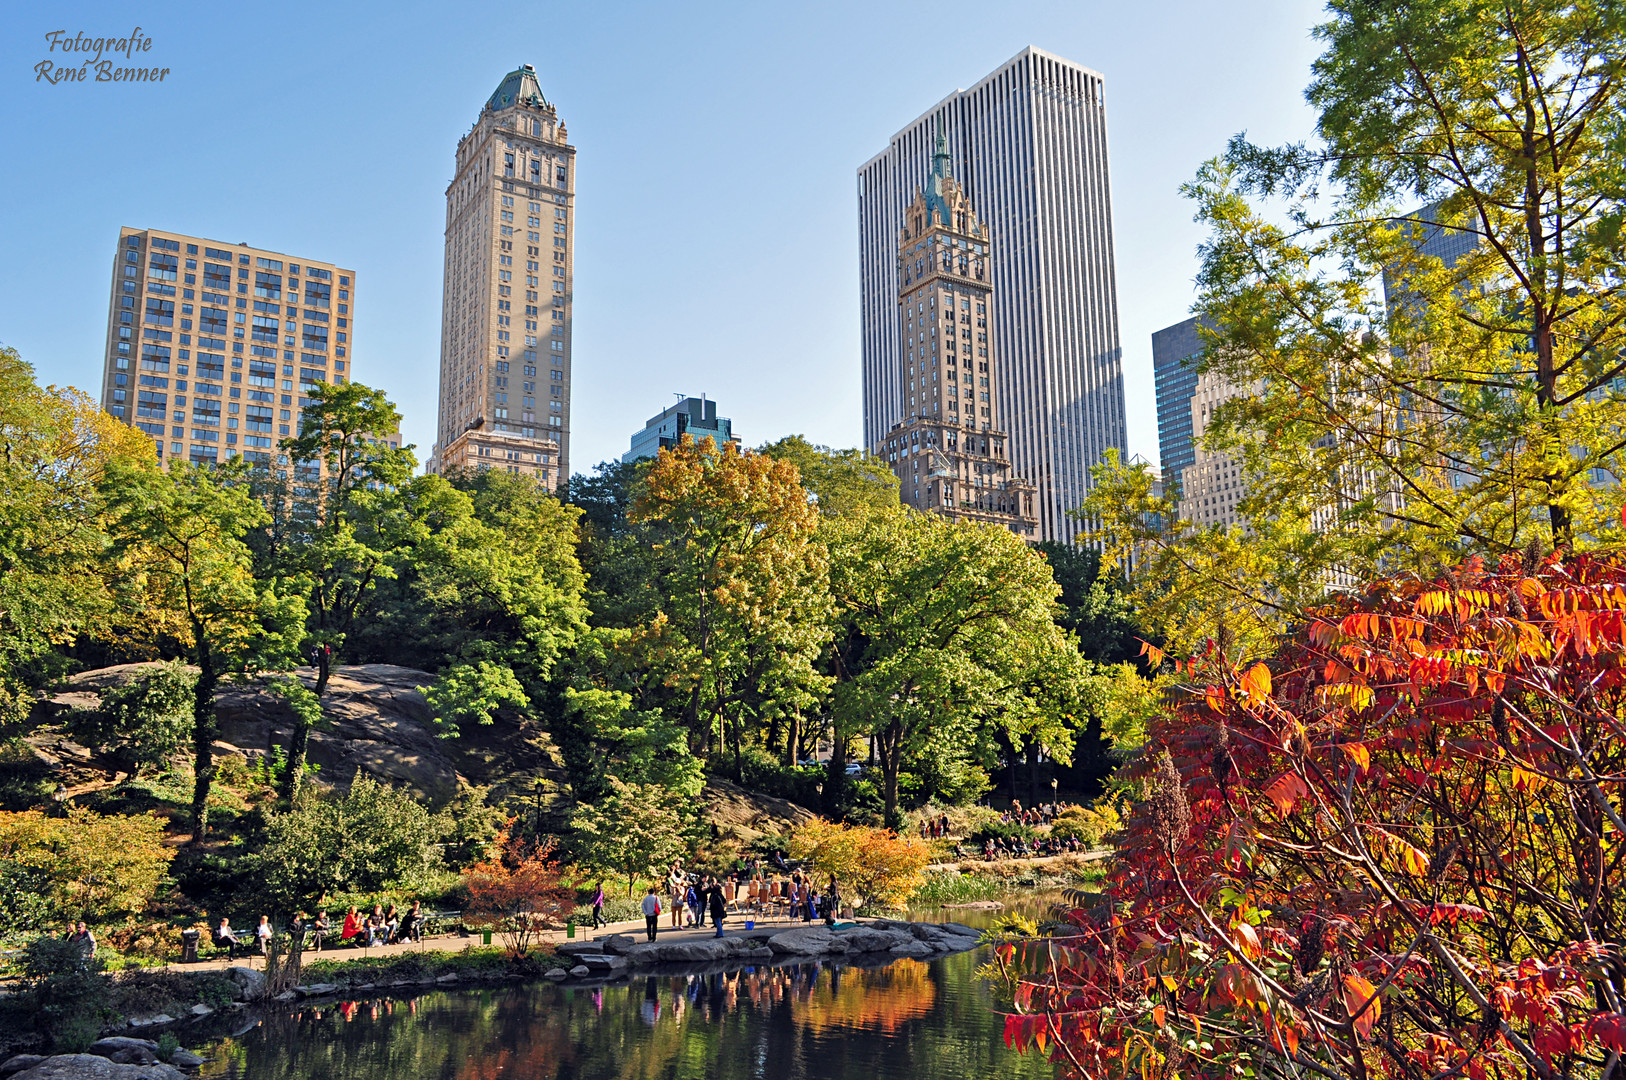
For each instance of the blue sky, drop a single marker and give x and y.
(716, 247)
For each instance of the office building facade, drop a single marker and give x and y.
(694, 417)
(212, 348)
(1028, 146)
(1176, 351)
(950, 451)
(506, 308)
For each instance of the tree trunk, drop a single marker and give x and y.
(324, 659)
(891, 761)
(294, 768)
(835, 780)
(793, 739)
(203, 735)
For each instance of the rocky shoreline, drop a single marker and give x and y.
(621, 955)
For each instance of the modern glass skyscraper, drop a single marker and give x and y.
(1029, 145)
(507, 304)
(1175, 350)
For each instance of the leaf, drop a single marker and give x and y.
(1609, 1029)
(1286, 791)
(1256, 683)
(1159, 1015)
(1358, 754)
(1361, 1003)
(1247, 940)
(1415, 861)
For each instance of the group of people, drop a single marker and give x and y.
(690, 898)
(1020, 847)
(382, 927)
(79, 934)
(934, 828)
(1043, 814)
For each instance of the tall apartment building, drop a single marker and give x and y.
(1175, 352)
(692, 416)
(212, 348)
(506, 306)
(1212, 483)
(949, 450)
(1028, 144)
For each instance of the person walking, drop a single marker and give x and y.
(598, 907)
(678, 888)
(719, 907)
(652, 913)
(84, 939)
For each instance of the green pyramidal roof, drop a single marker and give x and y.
(518, 87)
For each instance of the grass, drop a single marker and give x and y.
(951, 887)
(473, 962)
(993, 881)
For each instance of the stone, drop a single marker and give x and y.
(20, 1062)
(125, 1050)
(808, 941)
(449, 977)
(600, 964)
(94, 1067)
(186, 1059)
(577, 948)
(580, 971)
(863, 939)
(695, 951)
(318, 989)
(556, 974)
(287, 996)
(913, 948)
(249, 981)
(617, 944)
(761, 952)
(977, 905)
(200, 1010)
(961, 929)
(150, 1021)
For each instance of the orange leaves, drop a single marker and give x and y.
(1361, 1003)
(1256, 683)
(1286, 791)
(1237, 986)
(1414, 861)
(1525, 780)
(1246, 940)
(1358, 754)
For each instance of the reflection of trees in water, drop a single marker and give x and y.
(906, 1020)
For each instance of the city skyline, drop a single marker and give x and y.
(1029, 142)
(704, 299)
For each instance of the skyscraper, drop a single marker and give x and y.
(506, 306)
(212, 348)
(950, 450)
(692, 416)
(1175, 351)
(1028, 144)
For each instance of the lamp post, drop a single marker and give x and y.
(537, 788)
(1053, 785)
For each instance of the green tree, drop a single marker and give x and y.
(143, 722)
(838, 481)
(55, 447)
(345, 472)
(184, 571)
(635, 829)
(947, 634)
(743, 593)
(1465, 408)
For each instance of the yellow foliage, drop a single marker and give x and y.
(98, 866)
(873, 867)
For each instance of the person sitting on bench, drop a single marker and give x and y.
(411, 923)
(225, 939)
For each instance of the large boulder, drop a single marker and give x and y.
(19, 1062)
(93, 1067)
(809, 941)
(914, 948)
(125, 1050)
(747, 815)
(696, 951)
(250, 983)
(865, 939)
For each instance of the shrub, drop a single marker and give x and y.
(761, 771)
(24, 905)
(953, 887)
(143, 722)
(25, 779)
(95, 866)
(371, 838)
(999, 830)
(66, 992)
(519, 895)
(1091, 825)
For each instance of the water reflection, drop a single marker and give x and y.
(907, 1019)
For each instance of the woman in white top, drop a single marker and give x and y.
(262, 934)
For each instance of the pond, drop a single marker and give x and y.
(907, 1020)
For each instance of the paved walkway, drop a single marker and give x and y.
(457, 942)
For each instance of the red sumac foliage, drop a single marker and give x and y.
(1400, 851)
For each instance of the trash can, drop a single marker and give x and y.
(189, 946)
(570, 928)
(485, 937)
